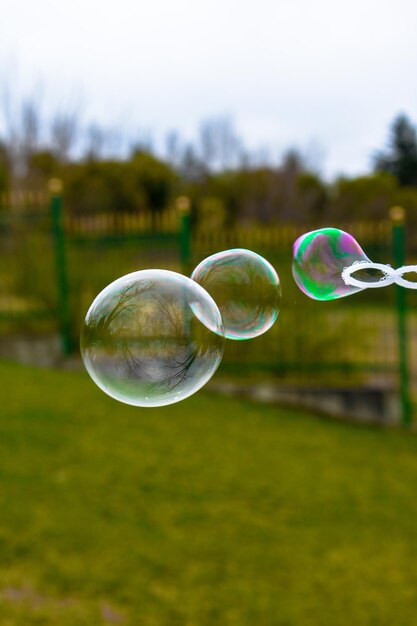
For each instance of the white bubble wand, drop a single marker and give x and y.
(390, 275)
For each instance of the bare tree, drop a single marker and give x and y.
(192, 167)
(64, 131)
(31, 125)
(95, 142)
(144, 142)
(10, 130)
(219, 144)
(208, 138)
(314, 155)
(173, 147)
(22, 130)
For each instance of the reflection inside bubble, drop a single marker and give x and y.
(245, 287)
(142, 342)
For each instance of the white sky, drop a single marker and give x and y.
(289, 72)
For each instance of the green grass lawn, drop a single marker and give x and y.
(209, 512)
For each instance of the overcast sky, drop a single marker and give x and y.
(289, 72)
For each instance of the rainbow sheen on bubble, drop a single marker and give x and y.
(152, 338)
(245, 287)
(319, 258)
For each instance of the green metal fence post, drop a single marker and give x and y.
(183, 205)
(55, 190)
(397, 215)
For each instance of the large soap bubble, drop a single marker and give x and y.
(151, 338)
(245, 287)
(321, 256)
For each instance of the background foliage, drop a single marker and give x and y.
(227, 184)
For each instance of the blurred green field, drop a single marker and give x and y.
(214, 512)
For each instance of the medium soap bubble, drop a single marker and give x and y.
(245, 287)
(151, 338)
(320, 257)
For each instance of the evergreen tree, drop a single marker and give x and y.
(400, 159)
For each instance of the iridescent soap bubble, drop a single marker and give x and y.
(319, 260)
(246, 289)
(151, 338)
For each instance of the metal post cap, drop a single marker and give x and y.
(55, 186)
(183, 204)
(397, 214)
